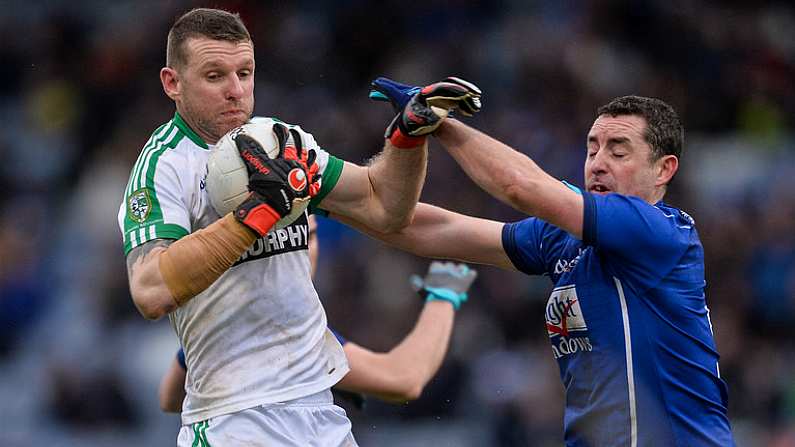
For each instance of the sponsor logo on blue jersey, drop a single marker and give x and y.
(566, 324)
(565, 265)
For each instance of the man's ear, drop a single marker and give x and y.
(171, 82)
(666, 168)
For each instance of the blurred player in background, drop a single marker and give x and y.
(398, 375)
(627, 318)
(239, 295)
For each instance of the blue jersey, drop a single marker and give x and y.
(629, 324)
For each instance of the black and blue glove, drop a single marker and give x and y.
(447, 281)
(385, 89)
(420, 111)
(452, 94)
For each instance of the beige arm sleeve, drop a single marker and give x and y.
(193, 263)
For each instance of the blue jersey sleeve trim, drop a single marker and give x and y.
(572, 187)
(509, 245)
(588, 219)
(340, 338)
(181, 359)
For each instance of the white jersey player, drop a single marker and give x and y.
(271, 287)
(239, 295)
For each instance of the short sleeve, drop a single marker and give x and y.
(522, 243)
(647, 241)
(331, 170)
(153, 207)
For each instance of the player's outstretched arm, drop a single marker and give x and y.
(503, 172)
(382, 195)
(512, 177)
(402, 373)
(443, 234)
(171, 392)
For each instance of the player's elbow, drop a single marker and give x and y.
(152, 304)
(521, 193)
(410, 387)
(399, 223)
(515, 190)
(412, 392)
(168, 405)
(394, 222)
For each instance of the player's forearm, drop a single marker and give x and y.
(164, 278)
(418, 357)
(402, 373)
(437, 233)
(172, 389)
(147, 287)
(501, 171)
(396, 177)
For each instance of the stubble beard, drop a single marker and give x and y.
(208, 126)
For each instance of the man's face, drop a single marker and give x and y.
(618, 158)
(216, 86)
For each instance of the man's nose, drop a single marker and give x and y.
(598, 163)
(235, 87)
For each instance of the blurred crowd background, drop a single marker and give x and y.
(80, 95)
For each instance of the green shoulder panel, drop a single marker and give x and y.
(330, 177)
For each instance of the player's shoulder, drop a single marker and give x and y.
(677, 216)
(633, 204)
(173, 134)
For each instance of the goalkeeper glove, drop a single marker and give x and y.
(423, 112)
(447, 281)
(276, 184)
(461, 95)
(297, 151)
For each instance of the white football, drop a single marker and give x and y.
(227, 177)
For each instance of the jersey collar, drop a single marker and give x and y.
(183, 126)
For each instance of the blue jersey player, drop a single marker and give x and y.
(627, 318)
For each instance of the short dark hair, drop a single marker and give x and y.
(664, 131)
(215, 24)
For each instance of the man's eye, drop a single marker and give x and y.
(213, 76)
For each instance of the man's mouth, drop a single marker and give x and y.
(598, 188)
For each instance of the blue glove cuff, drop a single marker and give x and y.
(445, 295)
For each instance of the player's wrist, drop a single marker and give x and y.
(257, 215)
(441, 294)
(403, 141)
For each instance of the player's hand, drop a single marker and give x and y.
(276, 185)
(298, 145)
(425, 111)
(396, 93)
(455, 94)
(448, 281)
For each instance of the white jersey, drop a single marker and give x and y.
(258, 334)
